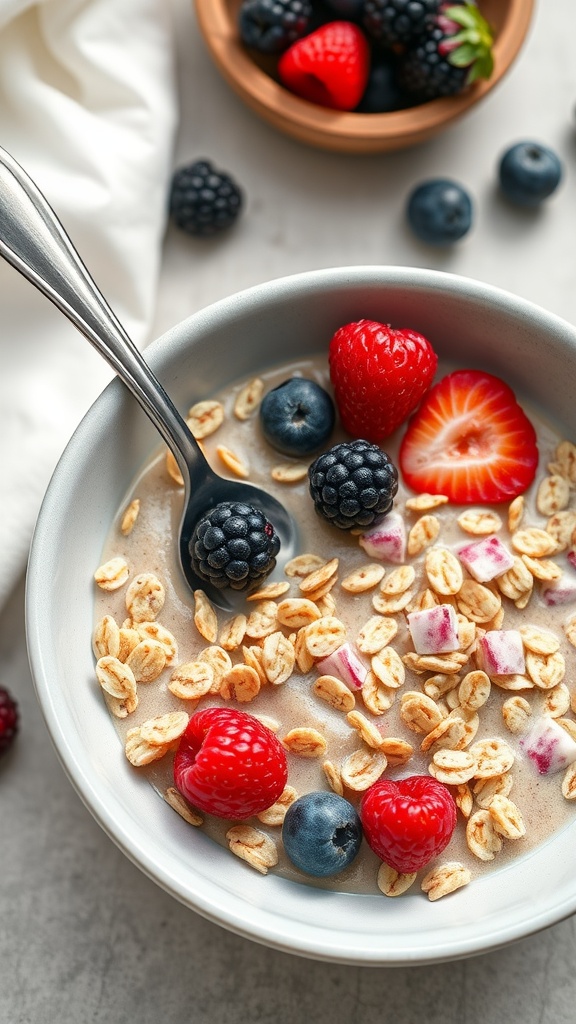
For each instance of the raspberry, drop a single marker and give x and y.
(270, 26)
(234, 546)
(353, 484)
(408, 822)
(329, 67)
(229, 764)
(9, 720)
(204, 201)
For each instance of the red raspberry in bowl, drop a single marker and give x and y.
(408, 822)
(329, 67)
(229, 764)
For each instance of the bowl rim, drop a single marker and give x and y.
(137, 838)
(334, 129)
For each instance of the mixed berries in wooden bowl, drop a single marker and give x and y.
(363, 75)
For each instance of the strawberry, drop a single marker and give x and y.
(408, 822)
(229, 764)
(470, 440)
(329, 67)
(379, 376)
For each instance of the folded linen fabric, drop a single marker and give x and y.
(88, 108)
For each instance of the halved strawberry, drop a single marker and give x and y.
(470, 440)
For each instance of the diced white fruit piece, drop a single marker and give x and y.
(434, 630)
(387, 540)
(345, 664)
(501, 653)
(549, 746)
(486, 559)
(561, 591)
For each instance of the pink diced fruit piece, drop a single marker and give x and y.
(549, 746)
(434, 630)
(501, 653)
(560, 591)
(387, 540)
(486, 559)
(345, 664)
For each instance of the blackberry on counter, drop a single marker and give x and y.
(398, 22)
(353, 484)
(204, 201)
(271, 26)
(234, 546)
(9, 720)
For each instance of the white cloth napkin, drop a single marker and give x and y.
(88, 108)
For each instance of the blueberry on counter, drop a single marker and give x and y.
(297, 417)
(440, 211)
(321, 834)
(528, 173)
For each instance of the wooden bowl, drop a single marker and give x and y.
(350, 132)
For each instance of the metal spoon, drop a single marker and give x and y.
(34, 241)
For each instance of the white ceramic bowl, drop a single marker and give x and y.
(468, 322)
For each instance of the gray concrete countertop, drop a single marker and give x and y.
(84, 936)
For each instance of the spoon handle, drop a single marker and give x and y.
(34, 241)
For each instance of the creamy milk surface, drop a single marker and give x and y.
(151, 548)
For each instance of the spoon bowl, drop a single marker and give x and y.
(33, 240)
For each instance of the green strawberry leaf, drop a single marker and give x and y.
(465, 15)
(474, 42)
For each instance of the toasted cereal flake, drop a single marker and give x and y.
(464, 799)
(423, 533)
(453, 733)
(182, 807)
(445, 879)
(270, 591)
(106, 638)
(220, 662)
(129, 638)
(493, 757)
(392, 882)
(204, 418)
(145, 597)
(129, 517)
(397, 751)
(534, 542)
(438, 685)
(305, 742)
(122, 707)
(147, 660)
(452, 767)
(515, 681)
(154, 631)
(516, 581)
(248, 399)
(565, 458)
(303, 565)
(516, 712)
(365, 578)
(515, 513)
(561, 526)
(325, 636)
(112, 574)
(540, 641)
(295, 612)
(545, 670)
(507, 817)
(398, 581)
(241, 683)
(486, 789)
(115, 678)
(192, 680)
(362, 768)
(140, 751)
(289, 472)
(425, 502)
(542, 568)
(481, 836)
(205, 618)
(304, 659)
(377, 697)
(333, 777)
(319, 576)
(233, 462)
(334, 692)
(389, 604)
(557, 701)
(569, 725)
(164, 729)
(278, 658)
(570, 630)
(253, 846)
(326, 605)
(420, 713)
(233, 632)
(376, 634)
(569, 782)
(388, 667)
(275, 814)
(553, 495)
(367, 731)
(173, 469)
(477, 602)
(444, 571)
(262, 620)
(479, 522)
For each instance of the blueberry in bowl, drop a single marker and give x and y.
(297, 417)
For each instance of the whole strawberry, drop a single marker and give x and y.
(329, 67)
(408, 822)
(379, 376)
(9, 720)
(229, 764)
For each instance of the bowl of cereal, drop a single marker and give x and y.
(329, 657)
(383, 117)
